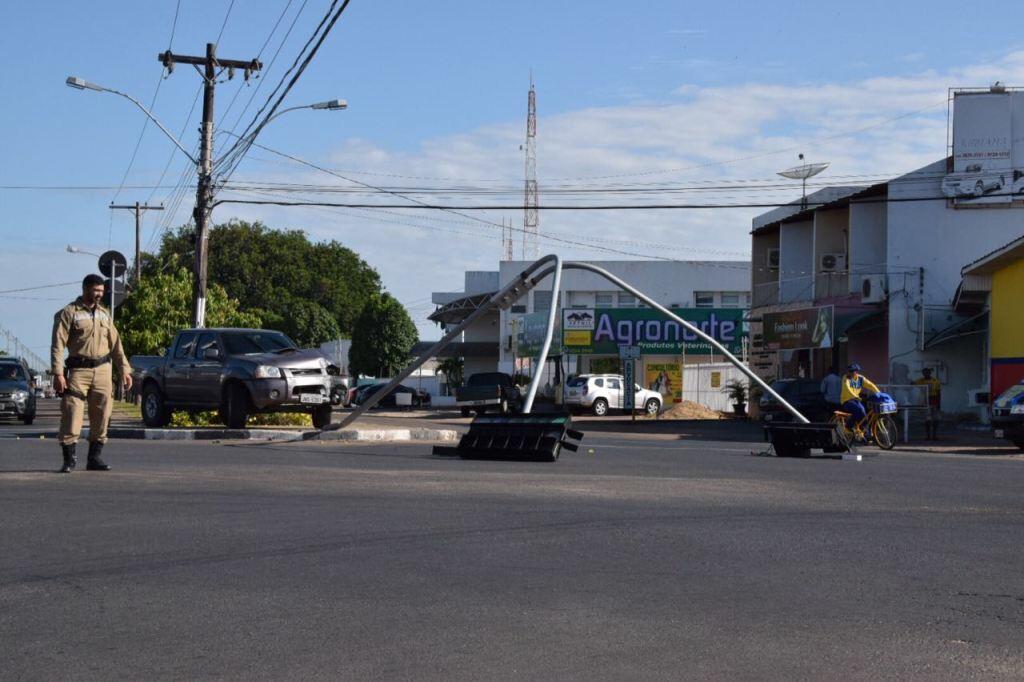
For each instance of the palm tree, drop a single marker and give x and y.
(452, 369)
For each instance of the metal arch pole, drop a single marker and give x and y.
(556, 285)
(504, 298)
(665, 311)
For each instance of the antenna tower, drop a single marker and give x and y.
(531, 216)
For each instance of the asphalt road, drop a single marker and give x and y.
(653, 558)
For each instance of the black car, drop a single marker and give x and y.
(803, 394)
(419, 398)
(17, 391)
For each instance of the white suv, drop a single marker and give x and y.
(602, 392)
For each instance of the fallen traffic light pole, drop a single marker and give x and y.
(542, 436)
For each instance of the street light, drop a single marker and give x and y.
(113, 279)
(75, 249)
(82, 84)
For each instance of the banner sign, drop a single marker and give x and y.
(628, 392)
(988, 148)
(665, 378)
(796, 329)
(600, 331)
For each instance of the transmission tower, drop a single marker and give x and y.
(531, 216)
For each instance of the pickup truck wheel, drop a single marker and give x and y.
(235, 411)
(652, 406)
(154, 410)
(322, 416)
(600, 407)
(464, 411)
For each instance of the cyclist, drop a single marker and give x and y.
(853, 383)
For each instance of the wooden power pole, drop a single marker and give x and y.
(212, 67)
(138, 208)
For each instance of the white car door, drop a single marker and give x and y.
(614, 393)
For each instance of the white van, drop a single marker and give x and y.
(603, 392)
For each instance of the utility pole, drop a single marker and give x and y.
(204, 190)
(531, 248)
(138, 208)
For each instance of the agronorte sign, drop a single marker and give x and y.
(600, 331)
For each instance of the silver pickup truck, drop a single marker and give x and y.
(239, 372)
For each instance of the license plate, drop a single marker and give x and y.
(999, 433)
(313, 398)
(768, 417)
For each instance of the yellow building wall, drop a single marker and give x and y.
(1007, 314)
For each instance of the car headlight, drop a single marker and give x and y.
(267, 372)
(20, 395)
(1017, 409)
(323, 363)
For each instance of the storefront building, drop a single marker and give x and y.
(992, 294)
(887, 259)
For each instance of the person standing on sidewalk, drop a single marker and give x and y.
(86, 330)
(931, 420)
(832, 388)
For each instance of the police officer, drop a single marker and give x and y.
(86, 329)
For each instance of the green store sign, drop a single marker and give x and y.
(600, 331)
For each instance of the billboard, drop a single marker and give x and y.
(600, 331)
(665, 378)
(988, 148)
(530, 334)
(796, 329)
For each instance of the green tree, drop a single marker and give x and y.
(452, 369)
(309, 324)
(162, 305)
(384, 335)
(267, 269)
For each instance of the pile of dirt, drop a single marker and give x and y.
(690, 410)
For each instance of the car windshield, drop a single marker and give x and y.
(251, 343)
(11, 372)
(1008, 395)
(576, 382)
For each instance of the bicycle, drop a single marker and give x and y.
(877, 426)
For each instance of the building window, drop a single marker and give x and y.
(731, 300)
(627, 300)
(541, 301)
(603, 300)
(703, 299)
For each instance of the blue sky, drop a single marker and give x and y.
(438, 90)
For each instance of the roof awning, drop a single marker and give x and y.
(460, 308)
(855, 321)
(968, 326)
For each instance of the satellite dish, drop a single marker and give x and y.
(802, 172)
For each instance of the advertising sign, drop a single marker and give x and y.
(988, 148)
(665, 378)
(804, 328)
(530, 335)
(600, 331)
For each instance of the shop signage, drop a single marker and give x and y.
(803, 328)
(629, 381)
(601, 331)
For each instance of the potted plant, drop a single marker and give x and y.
(737, 392)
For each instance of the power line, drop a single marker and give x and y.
(41, 286)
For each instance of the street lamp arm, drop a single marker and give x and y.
(153, 118)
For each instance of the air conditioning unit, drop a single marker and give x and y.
(773, 259)
(832, 262)
(873, 289)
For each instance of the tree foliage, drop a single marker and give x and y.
(309, 324)
(268, 270)
(162, 305)
(383, 336)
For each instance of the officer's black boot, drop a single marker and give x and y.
(69, 458)
(95, 462)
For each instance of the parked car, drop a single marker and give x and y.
(419, 398)
(803, 394)
(17, 393)
(1008, 415)
(239, 372)
(601, 393)
(488, 391)
(352, 397)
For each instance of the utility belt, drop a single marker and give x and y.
(75, 362)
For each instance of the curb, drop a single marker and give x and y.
(388, 435)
